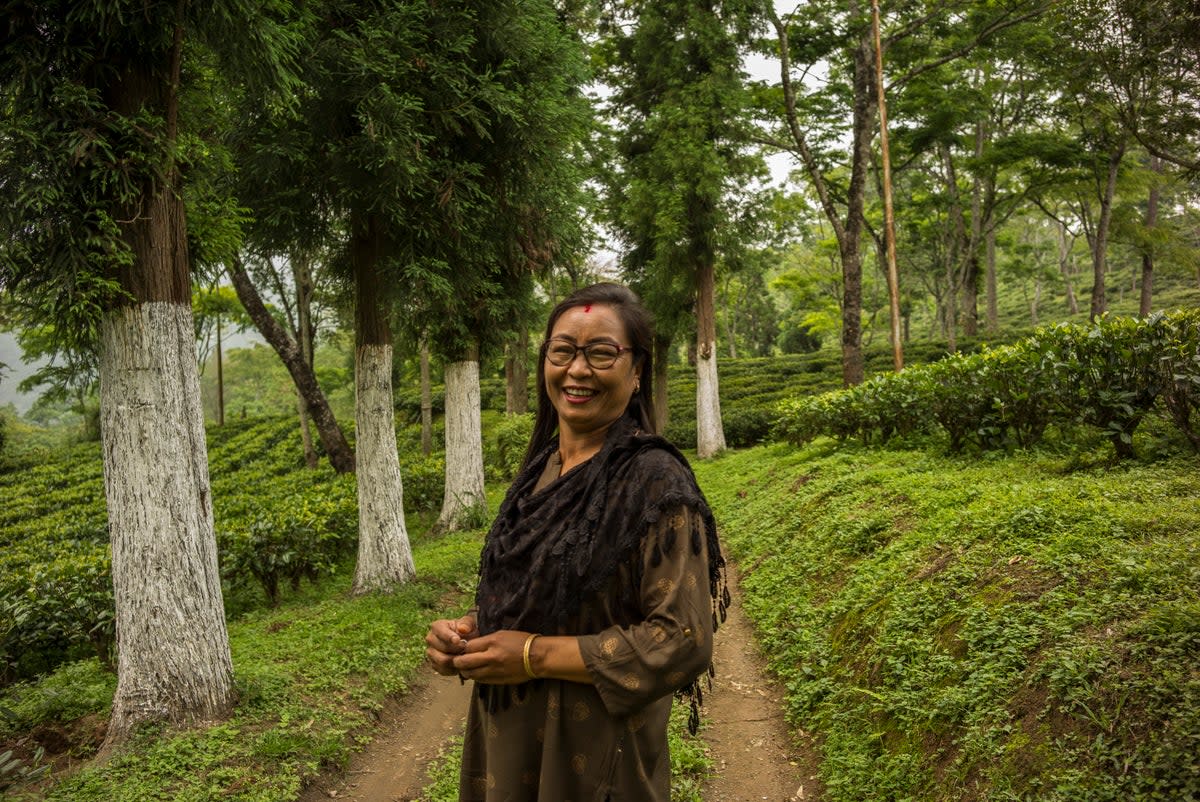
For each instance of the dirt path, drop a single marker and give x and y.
(754, 757)
(393, 767)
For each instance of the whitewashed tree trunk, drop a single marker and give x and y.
(464, 445)
(173, 661)
(384, 554)
(710, 434)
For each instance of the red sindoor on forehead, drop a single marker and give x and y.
(587, 308)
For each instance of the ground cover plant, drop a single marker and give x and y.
(995, 627)
(312, 673)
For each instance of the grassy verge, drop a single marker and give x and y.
(311, 675)
(1021, 627)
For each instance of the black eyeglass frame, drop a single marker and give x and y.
(587, 356)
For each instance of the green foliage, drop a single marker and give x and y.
(1004, 627)
(1108, 376)
(292, 536)
(69, 692)
(299, 706)
(424, 481)
(505, 445)
(444, 774)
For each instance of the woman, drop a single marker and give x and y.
(600, 581)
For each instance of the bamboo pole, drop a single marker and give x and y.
(889, 233)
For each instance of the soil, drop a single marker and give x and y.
(754, 756)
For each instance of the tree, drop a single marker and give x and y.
(339, 167)
(920, 40)
(680, 102)
(95, 243)
(513, 213)
(290, 353)
(211, 305)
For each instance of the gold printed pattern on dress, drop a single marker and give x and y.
(659, 634)
(677, 521)
(630, 682)
(609, 648)
(676, 678)
(580, 711)
(691, 580)
(492, 730)
(636, 722)
(665, 586)
(579, 764)
(552, 707)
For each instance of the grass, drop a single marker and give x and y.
(312, 675)
(996, 627)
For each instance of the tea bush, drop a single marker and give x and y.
(1106, 376)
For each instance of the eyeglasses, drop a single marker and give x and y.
(599, 356)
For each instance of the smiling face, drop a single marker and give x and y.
(588, 400)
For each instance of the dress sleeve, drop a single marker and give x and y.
(632, 666)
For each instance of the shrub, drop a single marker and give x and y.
(424, 482)
(505, 449)
(1108, 376)
(1178, 367)
(304, 535)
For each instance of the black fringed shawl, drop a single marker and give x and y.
(549, 552)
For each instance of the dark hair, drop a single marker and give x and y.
(639, 326)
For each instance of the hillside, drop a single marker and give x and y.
(964, 628)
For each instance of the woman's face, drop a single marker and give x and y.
(589, 399)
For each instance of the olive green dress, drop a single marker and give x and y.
(570, 742)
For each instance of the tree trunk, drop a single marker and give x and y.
(1064, 267)
(336, 447)
(1100, 240)
(173, 659)
(1147, 297)
(889, 223)
(970, 283)
(516, 375)
(970, 296)
(950, 310)
(220, 378)
(662, 353)
(853, 370)
(426, 399)
(384, 555)
(464, 491)
(310, 453)
(710, 436)
(993, 296)
(847, 232)
(303, 281)
(959, 245)
(1037, 299)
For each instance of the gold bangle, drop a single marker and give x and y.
(529, 642)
